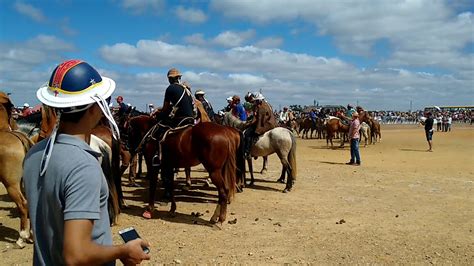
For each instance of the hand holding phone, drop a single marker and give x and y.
(129, 234)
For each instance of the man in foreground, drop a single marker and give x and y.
(66, 189)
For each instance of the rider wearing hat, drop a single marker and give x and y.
(263, 121)
(228, 108)
(26, 111)
(178, 107)
(199, 94)
(349, 112)
(284, 117)
(238, 109)
(64, 183)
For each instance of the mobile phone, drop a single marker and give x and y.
(129, 234)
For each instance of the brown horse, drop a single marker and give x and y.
(13, 148)
(334, 125)
(375, 133)
(217, 147)
(307, 126)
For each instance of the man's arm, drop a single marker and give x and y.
(79, 249)
(165, 111)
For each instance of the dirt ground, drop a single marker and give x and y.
(403, 205)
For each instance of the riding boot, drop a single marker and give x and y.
(155, 161)
(247, 146)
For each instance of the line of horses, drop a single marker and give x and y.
(217, 146)
(334, 127)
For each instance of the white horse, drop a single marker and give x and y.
(365, 132)
(278, 140)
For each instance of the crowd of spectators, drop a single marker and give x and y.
(442, 118)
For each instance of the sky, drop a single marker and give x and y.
(382, 55)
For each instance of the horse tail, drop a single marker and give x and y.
(113, 203)
(292, 157)
(229, 171)
(116, 173)
(240, 161)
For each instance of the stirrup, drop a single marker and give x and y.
(155, 161)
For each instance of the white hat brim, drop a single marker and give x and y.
(63, 100)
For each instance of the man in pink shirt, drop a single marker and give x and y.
(354, 136)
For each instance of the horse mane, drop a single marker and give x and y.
(232, 121)
(4, 119)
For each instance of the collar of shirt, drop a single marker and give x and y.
(71, 140)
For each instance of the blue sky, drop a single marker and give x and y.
(380, 54)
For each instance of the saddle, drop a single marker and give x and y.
(160, 131)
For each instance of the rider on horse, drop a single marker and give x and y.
(284, 116)
(178, 107)
(199, 94)
(263, 121)
(346, 117)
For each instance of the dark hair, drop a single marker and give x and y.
(73, 117)
(174, 79)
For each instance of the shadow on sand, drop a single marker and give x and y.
(335, 163)
(413, 150)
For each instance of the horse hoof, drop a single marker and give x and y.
(20, 243)
(172, 214)
(147, 214)
(280, 180)
(240, 189)
(286, 190)
(186, 188)
(264, 171)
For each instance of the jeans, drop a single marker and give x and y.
(355, 151)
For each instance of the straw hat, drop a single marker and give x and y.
(174, 73)
(258, 96)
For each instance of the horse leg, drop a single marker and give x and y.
(15, 194)
(264, 166)
(252, 180)
(218, 181)
(342, 139)
(187, 171)
(140, 161)
(167, 175)
(282, 176)
(132, 171)
(285, 169)
(152, 177)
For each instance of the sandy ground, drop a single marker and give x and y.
(403, 205)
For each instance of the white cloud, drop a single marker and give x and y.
(26, 66)
(232, 38)
(288, 78)
(140, 7)
(417, 31)
(269, 42)
(247, 79)
(191, 15)
(30, 11)
(196, 39)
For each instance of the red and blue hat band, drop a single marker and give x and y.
(74, 76)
